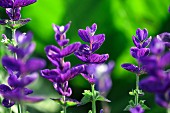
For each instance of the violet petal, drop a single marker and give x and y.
(97, 41)
(134, 52)
(6, 3)
(131, 68)
(34, 64)
(70, 49)
(7, 103)
(96, 58)
(22, 3)
(142, 34)
(85, 36)
(4, 88)
(136, 42)
(152, 84)
(146, 42)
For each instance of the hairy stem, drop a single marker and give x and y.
(93, 99)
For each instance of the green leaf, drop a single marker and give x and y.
(145, 107)
(141, 102)
(127, 108)
(100, 97)
(140, 92)
(132, 103)
(68, 102)
(87, 97)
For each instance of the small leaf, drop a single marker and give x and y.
(87, 92)
(140, 92)
(132, 103)
(141, 102)
(71, 102)
(87, 97)
(145, 107)
(90, 111)
(102, 98)
(68, 102)
(128, 108)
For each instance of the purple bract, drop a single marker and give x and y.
(137, 109)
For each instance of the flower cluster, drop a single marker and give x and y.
(13, 7)
(141, 42)
(63, 71)
(86, 52)
(158, 78)
(13, 10)
(21, 71)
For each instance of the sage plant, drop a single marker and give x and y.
(157, 68)
(141, 41)
(19, 65)
(62, 72)
(86, 53)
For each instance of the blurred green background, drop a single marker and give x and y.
(117, 19)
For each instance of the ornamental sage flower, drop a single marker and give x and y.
(158, 78)
(63, 71)
(141, 41)
(86, 53)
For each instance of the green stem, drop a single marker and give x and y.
(93, 99)
(64, 107)
(19, 108)
(137, 90)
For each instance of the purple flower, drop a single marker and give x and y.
(137, 109)
(169, 9)
(21, 70)
(131, 67)
(86, 52)
(63, 89)
(17, 91)
(63, 71)
(61, 76)
(25, 46)
(165, 38)
(13, 7)
(60, 34)
(141, 41)
(101, 76)
(88, 33)
(22, 67)
(159, 76)
(157, 46)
